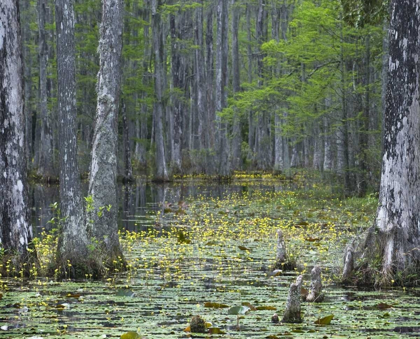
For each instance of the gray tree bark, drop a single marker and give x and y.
(102, 219)
(236, 82)
(200, 76)
(263, 146)
(15, 227)
(141, 124)
(210, 116)
(128, 168)
(224, 169)
(161, 173)
(46, 157)
(73, 239)
(178, 82)
(327, 144)
(395, 237)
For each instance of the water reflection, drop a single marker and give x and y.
(139, 203)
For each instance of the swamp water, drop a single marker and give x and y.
(196, 249)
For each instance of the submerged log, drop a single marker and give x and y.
(292, 312)
(315, 293)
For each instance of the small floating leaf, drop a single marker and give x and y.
(238, 310)
(266, 308)
(216, 330)
(325, 321)
(208, 324)
(215, 305)
(187, 329)
(73, 295)
(130, 335)
(243, 248)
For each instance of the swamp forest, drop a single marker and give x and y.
(209, 168)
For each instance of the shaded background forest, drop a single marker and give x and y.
(218, 86)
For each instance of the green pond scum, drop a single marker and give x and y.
(213, 257)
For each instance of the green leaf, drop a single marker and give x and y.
(266, 308)
(238, 310)
(325, 321)
(130, 335)
(216, 330)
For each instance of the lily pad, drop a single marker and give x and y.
(238, 310)
(130, 335)
(325, 320)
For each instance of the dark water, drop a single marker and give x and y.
(139, 203)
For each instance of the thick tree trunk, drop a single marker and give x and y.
(46, 157)
(102, 218)
(73, 240)
(161, 173)
(15, 228)
(395, 238)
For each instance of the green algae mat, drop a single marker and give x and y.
(213, 257)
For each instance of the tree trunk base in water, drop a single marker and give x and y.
(381, 260)
(292, 314)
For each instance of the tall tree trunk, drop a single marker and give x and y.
(251, 127)
(395, 238)
(210, 116)
(161, 173)
(364, 126)
(221, 87)
(102, 218)
(263, 140)
(15, 228)
(178, 85)
(46, 158)
(25, 9)
(141, 124)
(236, 82)
(200, 76)
(73, 239)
